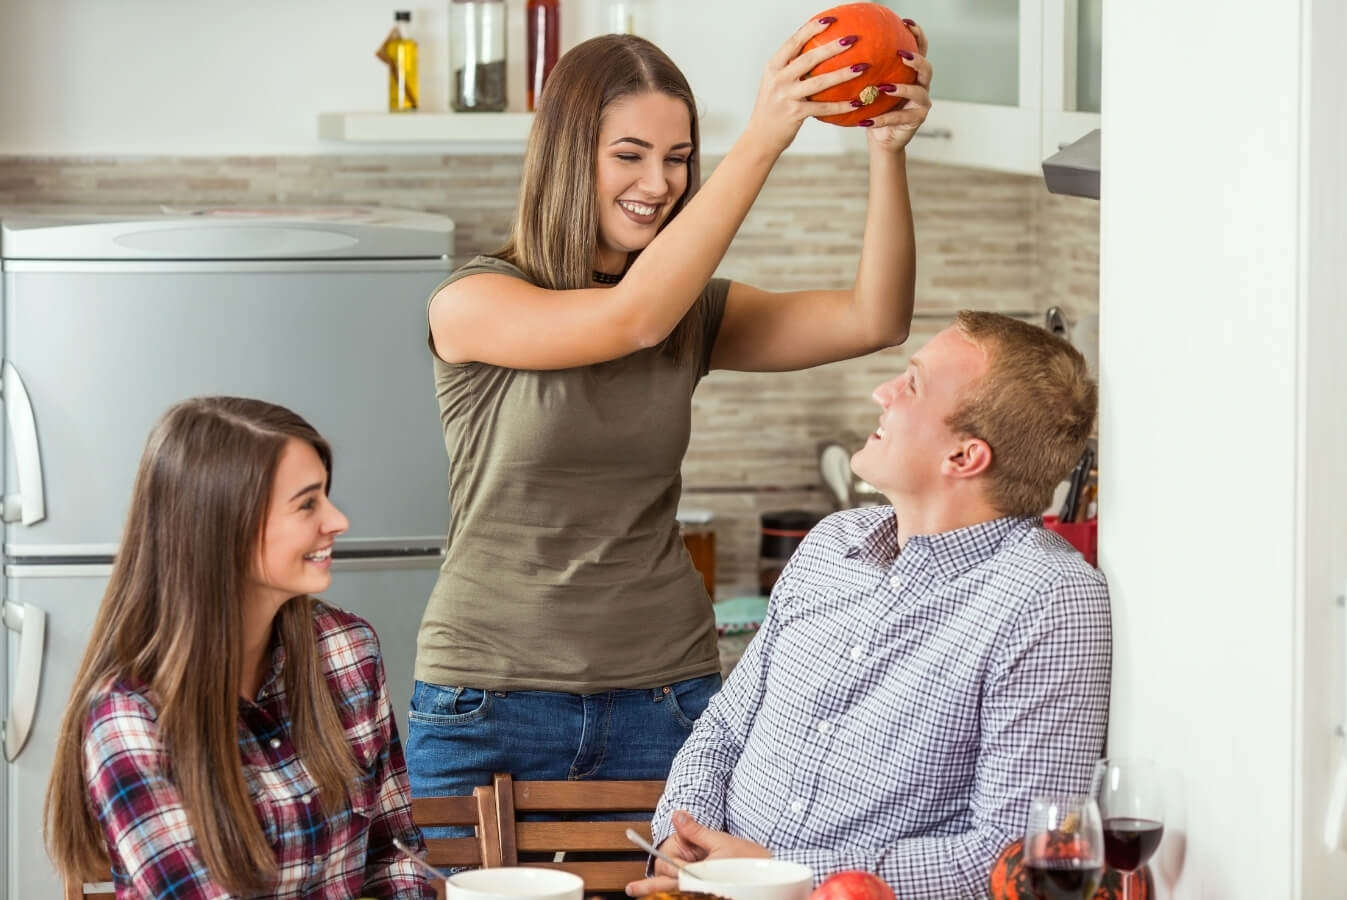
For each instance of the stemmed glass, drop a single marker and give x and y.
(1131, 802)
(1063, 847)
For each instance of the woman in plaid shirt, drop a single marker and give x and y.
(228, 734)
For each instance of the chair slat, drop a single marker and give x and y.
(601, 876)
(551, 836)
(586, 796)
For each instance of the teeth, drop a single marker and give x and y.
(639, 208)
(880, 431)
(319, 556)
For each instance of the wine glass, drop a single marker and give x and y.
(1063, 847)
(1131, 802)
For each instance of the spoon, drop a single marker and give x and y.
(654, 851)
(416, 858)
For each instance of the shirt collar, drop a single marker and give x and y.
(951, 553)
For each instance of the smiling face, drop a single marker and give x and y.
(294, 553)
(914, 450)
(641, 171)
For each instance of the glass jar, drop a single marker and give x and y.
(477, 55)
(625, 17)
(696, 526)
(542, 23)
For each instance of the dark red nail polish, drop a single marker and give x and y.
(857, 104)
(848, 40)
(886, 88)
(866, 123)
(827, 20)
(906, 54)
(860, 67)
(909, 23)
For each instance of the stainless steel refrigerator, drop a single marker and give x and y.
(110, 319)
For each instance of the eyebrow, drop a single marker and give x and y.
(302, 491)
(686, 145)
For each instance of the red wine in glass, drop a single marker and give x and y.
(1129, 843)
(1063, 879)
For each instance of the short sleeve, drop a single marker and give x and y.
(713, 312)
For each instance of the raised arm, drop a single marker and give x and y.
(771, 332)
(507, 322)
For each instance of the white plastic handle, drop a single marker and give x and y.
(31, 624)
(28, 505)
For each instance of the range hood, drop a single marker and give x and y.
(1074, 169)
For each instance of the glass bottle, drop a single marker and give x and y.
(399, 53)
(477, 55)
(625, 17)
(543, 24)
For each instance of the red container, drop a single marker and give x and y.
(1084, 536)
(543, 24)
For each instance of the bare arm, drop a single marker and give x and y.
(507, 322)
(774, 332)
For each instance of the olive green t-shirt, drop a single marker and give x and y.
(564, 569)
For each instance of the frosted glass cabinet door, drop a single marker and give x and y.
(1072, 54)
(987, 86)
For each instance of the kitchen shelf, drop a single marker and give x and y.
(425, 127)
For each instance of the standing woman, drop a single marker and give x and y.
(228, 734)
(568, 635)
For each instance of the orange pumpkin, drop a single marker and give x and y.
(881, 35)
(1009, 881)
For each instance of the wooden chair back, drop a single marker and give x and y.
(94, 886)
(605, 858)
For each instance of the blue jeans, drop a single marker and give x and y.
(458, 737)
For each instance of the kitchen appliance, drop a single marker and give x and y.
(110, 319)
(846, 489)
(782, 532)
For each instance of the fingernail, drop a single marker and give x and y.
(909, 23)
(848, 40)
(906, 54)
(860, 67)
(827, 20)
(866, 123)
(857, 104)
(887, 88)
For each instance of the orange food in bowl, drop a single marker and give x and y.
(881, 35)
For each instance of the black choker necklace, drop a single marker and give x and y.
(605, 278)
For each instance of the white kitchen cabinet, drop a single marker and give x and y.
(1014, 79)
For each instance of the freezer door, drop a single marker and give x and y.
(104, 348)
(69, 595)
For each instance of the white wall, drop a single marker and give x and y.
(187, 77)
(1221, 287)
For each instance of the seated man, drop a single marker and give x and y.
(926, 668)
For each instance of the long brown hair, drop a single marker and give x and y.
(1035, 407)
(556, 227)
(171, 624)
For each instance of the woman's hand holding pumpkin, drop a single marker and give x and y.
(893, 130)
(783, 102)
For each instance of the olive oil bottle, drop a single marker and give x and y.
(398, 52)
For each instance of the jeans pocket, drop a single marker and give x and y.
(688, 699)
(435, 704)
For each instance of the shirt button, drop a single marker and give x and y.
(825, 727)
(895, 582)
(275, 743)
(306, 798)
(857, 652)
(317, 860)
(796, 806)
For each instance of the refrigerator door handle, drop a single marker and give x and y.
(31, 624)
(29, 505)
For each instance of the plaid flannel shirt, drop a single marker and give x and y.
(896, 711)
(350, 854)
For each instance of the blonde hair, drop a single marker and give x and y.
(174, 601)
(1035, 407)
(556, 226)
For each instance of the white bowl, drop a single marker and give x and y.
(515, 883)
(749, 879)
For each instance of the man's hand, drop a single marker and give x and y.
(692, 841)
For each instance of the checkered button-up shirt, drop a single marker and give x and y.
(896, 711)
(350, 854)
